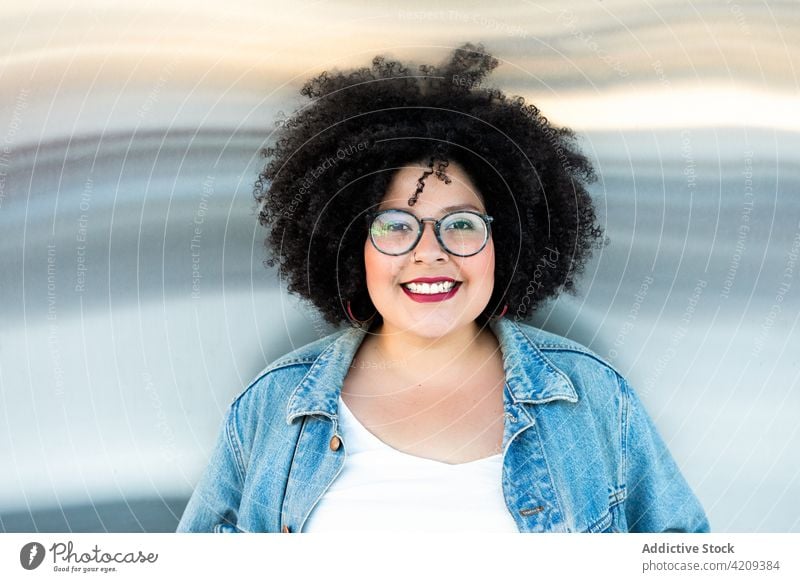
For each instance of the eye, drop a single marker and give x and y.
(397, 227)
(392, 225)
(460, 224)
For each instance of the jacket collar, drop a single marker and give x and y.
(530, 376)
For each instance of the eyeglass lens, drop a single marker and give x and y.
(461, 233)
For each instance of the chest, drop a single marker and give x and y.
(556, 473)
(453, 424)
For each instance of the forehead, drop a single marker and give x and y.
(437, 196)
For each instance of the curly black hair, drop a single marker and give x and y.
(333, 159)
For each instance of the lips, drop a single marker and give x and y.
(427, 289)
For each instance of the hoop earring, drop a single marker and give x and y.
(358, 322)
(502, 313)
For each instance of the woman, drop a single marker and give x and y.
(434, 215)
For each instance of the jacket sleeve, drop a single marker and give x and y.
(658, 498)
(214, 505)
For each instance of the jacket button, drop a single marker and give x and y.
(286, 529)
(335, 442)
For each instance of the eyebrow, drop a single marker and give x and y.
(462, 207)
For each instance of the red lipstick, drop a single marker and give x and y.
(430, 280)
(428, 297)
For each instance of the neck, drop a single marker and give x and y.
(414, 356)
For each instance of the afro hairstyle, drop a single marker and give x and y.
(331, 161)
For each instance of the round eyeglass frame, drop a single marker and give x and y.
(487, 220)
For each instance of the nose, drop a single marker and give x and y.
(428, 248)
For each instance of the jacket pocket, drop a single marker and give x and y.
(226, 528)
(603, 525)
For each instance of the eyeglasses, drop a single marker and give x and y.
(396, 232)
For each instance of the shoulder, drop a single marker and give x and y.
(594, 380)
(303, 356)
(559, 348)
(275, 382)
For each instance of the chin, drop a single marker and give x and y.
(435, 326)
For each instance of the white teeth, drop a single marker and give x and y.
(430, 288)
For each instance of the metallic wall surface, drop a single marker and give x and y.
(134, 304)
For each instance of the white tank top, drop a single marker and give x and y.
(383, 489)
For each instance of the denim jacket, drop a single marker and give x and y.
(580, 453)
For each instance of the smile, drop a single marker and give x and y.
(426, 292)
(430, 288)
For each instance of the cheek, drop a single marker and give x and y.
(379, 269)
(483, 268)
(370, 266)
